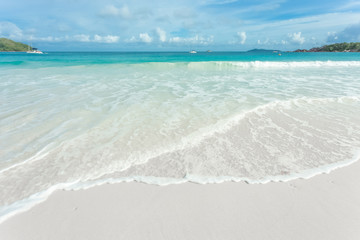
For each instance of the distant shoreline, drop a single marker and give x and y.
(337, 47)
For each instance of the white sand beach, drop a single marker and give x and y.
(180, 120)
(326, 206)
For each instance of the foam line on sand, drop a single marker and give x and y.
(326, 206)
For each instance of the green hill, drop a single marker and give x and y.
(7, 45)
(337, 47)
(342, 47)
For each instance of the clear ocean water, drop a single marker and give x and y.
(74, 120)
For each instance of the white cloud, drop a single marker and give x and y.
(74, 38)
(332, 36)
(144, 37)
(296, 38)
(48, 39)
(261, 7)
(176, 39)
(349, 34)
(132, 39)
(45, 39)
(125, 12)
(106, 39)
(82, 38)
(219, 2)
(193, 40)
(242, 37)
(316, 26)
(264, 42)
(161, 34)
(111, 10)
(350, 5)
(10, 30)
(267, 6)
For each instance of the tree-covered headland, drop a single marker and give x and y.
(7, 45)
(337, 47)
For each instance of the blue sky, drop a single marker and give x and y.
(160, 25)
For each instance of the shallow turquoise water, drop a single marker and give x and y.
(85, 58)
(72, 120)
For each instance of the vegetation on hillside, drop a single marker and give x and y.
(341, 47)
(7, 45)
(337, 47)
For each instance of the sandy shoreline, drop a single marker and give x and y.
(326, 206)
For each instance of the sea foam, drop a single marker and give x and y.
(73, 127)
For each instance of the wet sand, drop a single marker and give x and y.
(326, 206)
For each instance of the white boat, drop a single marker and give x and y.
(192, 51)
(34, 50)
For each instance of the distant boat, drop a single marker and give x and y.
(34, 50)
(192, 51)
(208, 51)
